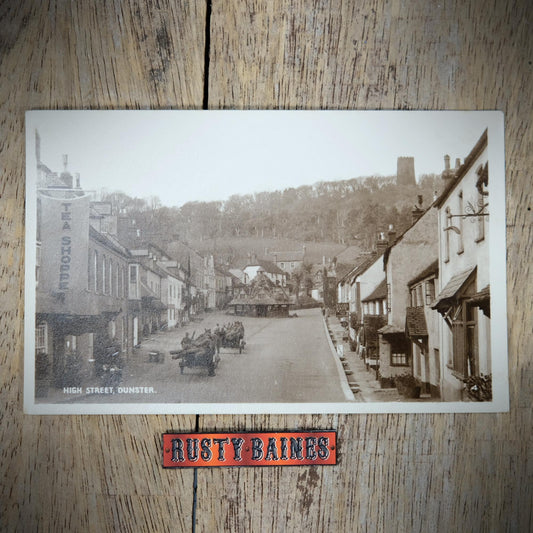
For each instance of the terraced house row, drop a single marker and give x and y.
(420, 306)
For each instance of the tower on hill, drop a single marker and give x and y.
(405, 174)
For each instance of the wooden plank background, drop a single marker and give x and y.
(397, 472)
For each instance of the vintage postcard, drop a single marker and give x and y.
(265, 262)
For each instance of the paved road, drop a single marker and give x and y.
(285, 360)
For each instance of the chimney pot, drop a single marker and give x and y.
(446, 162)
(457, 162)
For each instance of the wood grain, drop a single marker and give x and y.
(396, 472)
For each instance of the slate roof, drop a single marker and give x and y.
(430, 270)
(379, 293)
(415, 322)
(268, 266)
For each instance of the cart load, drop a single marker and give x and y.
(199, 352)
(232, 336)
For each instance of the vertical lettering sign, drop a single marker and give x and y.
(249, 449)
(64, 243)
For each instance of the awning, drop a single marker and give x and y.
(451, 290)
(415, 322)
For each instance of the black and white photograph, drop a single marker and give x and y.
(265, 262)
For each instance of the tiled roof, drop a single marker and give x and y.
(415, 322)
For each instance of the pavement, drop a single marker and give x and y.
(363, 382)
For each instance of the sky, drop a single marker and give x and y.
(183, 156)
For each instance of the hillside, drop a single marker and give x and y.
(327, 217)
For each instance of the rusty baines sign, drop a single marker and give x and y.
(249, 449)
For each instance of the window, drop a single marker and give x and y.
(399, 351)
(430, 291)
(464, 319)
(399, 359)
(460, 243)
(134, 281)
(41, 338)
(96, 280)
(104, 281)
(447, 224)
(37, 262)
(480, 219)
(110, 277)
(419, 298)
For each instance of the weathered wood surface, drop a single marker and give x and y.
(397, 472)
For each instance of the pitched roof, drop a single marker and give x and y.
(415, 322)
(391, 329)
(268, 266)
(287, 256)
(379, 293)
(469, 160)
(432, 269)
(358, 266)
(262, 292)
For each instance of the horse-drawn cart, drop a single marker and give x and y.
(200, 352)
(232, 336)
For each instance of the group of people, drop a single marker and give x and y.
(232, 332)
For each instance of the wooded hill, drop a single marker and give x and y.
(343, 213)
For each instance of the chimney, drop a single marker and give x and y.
(78, 186)
(447, 175)
(382, 243)
(457, 163)
(66, 176)
(417, 210)
(391, 234)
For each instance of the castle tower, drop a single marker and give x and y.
(405, 174)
